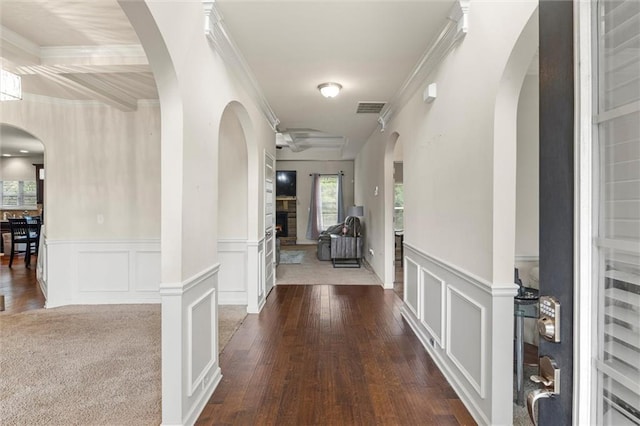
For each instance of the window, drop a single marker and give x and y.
(616, 184)
(18, 193)
(329, 200)
(398, 206)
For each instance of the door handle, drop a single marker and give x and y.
(532, 398)
(268, 234)
(549, 377)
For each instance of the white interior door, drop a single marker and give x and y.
(269, 222)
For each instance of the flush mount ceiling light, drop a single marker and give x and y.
(329, 90)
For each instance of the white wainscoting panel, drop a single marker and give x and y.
(256, 296)
(433, 305)
(147, 270)
(466, 332)
(200, 317)
(411, 282)
(232, 281)
(102, 272)
(189, 321)
(460, 320)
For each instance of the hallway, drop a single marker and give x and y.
(330, 355)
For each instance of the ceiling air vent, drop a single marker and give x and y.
(369, 107)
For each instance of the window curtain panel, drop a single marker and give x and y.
(315, 205)
(340, 199)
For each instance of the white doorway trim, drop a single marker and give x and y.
(583, 324)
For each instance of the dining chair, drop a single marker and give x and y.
(27, 233)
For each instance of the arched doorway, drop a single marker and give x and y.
(22, 174)
(233, 212)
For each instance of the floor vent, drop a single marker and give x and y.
(369, 107)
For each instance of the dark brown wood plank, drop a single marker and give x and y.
(330, 355)
(19, 286)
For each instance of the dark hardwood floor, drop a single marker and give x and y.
(330, 355)
(398, 280)
(19, 286)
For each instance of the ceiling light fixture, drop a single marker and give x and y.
(329, 90)
(24, 151)
(10, 86)
(6, 155)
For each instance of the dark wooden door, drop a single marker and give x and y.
(557, 193)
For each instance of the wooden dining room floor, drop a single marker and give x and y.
(19, 285)
(330, 355)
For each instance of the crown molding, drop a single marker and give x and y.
(222, 43)
(453, 31)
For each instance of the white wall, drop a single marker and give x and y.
(527, 196)
(232, 211)
(303, 187)
(459, 192)
(102, 163)
(398, 151)
(19, 168)
(232, 179)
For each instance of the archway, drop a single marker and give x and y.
(505, 161)
(22, 167)
(505, 147)
(233, 211)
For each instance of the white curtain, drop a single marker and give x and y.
(315, 224)
(340, 199)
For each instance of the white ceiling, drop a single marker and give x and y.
(79, 50)
(87, 50)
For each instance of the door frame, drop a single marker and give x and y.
(584, 326)
(268, 286)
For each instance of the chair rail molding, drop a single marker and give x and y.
(454, 30)
(222, 43)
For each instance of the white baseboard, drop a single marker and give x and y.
(192, 417)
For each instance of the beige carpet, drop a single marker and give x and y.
(314, 271)
(86, 365)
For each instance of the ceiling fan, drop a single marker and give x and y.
(300, 139)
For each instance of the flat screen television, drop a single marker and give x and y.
(285, 183)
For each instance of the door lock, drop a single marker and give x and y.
(549, 318)
(549, 377)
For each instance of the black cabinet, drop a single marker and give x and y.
(39, 183)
